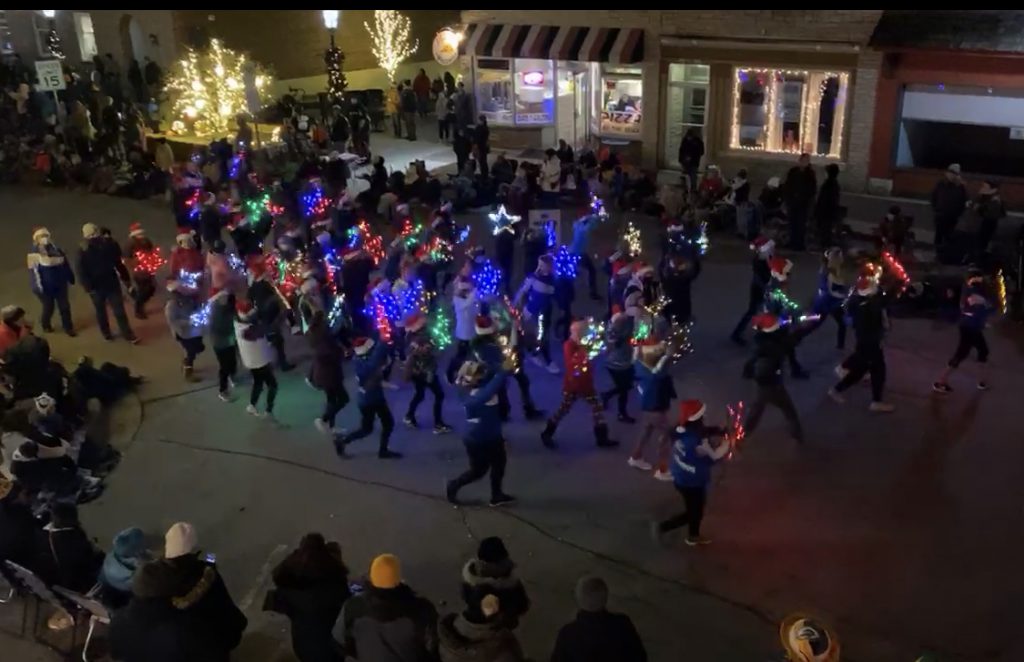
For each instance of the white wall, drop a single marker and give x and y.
(987, 110)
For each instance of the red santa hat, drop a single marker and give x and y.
(690, 411)
(244, 309)
(866, 286)
(184, 237)
(256, 265)
(621, 267)
(617, 313)
(766, 322)
(136, 230)
(780, 267)
(762, 245)
(641, 269)
(415, 322)
(362, 346)
(484, 325)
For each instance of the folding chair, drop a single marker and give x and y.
(32, 587)
(11, 590)
(98, 613)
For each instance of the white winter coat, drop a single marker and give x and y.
(465, 316)
(255, 353)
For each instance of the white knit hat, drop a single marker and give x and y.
(180, 540)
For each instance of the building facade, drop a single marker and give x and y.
(760, 86)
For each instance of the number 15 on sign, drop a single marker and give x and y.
(50, 75)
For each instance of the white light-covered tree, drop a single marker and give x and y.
(209, 87)
(390, 34)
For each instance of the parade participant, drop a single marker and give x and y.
(538, 289)
(185, 257)
(222, 276)
(486, 350)
(537, 241)
(444, 230)
(325, 373)
(421, 370)
(466, 307)
(222, 337)
(772, 345)
(777, 303)
(975, 309)
(831, 295)
(639, 291)
(619, 362)
(50, 277)
(101, 273)
(764, 249)
(179, 310)
(383, 313)
(867, 309)
(678, 273)
(565, 289)
(370, 362)
(311, 299)
(693, 455)
(657, 390)
(578, 383)
(257, 354)
(619, 267)
(485, 445)
(581, 230)
(145, 259)
(356, 266)
(271, 307)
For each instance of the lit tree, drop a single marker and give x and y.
(206, 89)
(390, 36)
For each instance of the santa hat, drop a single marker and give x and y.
(256, 265)
(621, 267)
(136, 230)
(642, 269)
(244, 309)
(39, 232)
(484, 325)
(762, 245)
(766, 322)
(218, 293)
(617, 313)
(690, 411)
(866, 286)
(415, 322)
(780, 267)
(362, 346)
(184, 237)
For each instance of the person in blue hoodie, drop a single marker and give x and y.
(693, 455)
(657, 390)
(975, 309)
(372, 358)
(581, 230)
(120, 564)
(485, 445)
(831, 295)
(534, 298)
(50, 275)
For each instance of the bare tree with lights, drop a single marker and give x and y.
(207, 89)
(390, 35)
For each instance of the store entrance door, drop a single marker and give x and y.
(581, 111)
(573, 103)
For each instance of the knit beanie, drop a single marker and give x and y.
(180, 540)
(385, 572)
(492, 550)
(591, 593)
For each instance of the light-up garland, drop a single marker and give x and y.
(440, 329)
(288, 273)
(735, 432)
(502, 221)
(632, 238)
(382, 307)
(1001, 300)
(361, 235)
(412, 298)
(337, 312)
(463, 235)
(147, 262)
(438, 251)
(597, 208)
(314, 202)
(701, 243)
(897, 270)
(779, 296)
(550, 236)
(236, 264)
(566, 263)
(487, 278)
(410, 233)
(190, 279)
(193, 204)
(201, 317)
(593, 339)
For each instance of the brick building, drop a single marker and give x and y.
(759, 85)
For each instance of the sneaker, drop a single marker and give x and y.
(639, 463)
(410, 421)
(538, 361)
(941, 387)
(339, 446)
(442, 429)
(983, 386)
(626, 418)
(251, 409)
(881, 407)
(841, 372)
(502, 500)
(552, 368)
(699, 540)
(133, 340)
(47, 329)
(321, 426)
(663, 476)
(108, 337)
(391, 386)
(389, 455)
(231, 383)
(224, 396)
(836, 396)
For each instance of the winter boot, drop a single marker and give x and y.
(601, 437)
(532, 413)
(547, 437)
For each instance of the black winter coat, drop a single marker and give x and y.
(599, 637)
(826, 207)
(949, 199)
(311, 598)
(66, 557)
(100, 267)
(480, 579)
(17, 531)
(800, 186)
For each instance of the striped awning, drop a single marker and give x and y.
(580, 44)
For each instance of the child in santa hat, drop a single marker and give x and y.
(778, 303)
(180, 311)
(657, 390)
(465, 304)
(257, 354)
(975, 309)
(866, 308)
(143, 259)
(772, 344)
(763, 249)
(271, 307)
(534, 298)
(421, 370)
(693, 455)
(578, 383)
(371, 359)
(222, 337)
(186, 258)
(619, 361)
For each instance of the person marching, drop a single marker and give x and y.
(466, 306)
(271, 307)
(578, 383)
(486, 350)
(421, 370)
(777, 303)
(867, 308)
(772, 344)
(485, 445)
(975, 309)
(50, 277)
(581, 229)
(187, 259)
(657, 391)
(693, 455)
(222, 337)
(325, 373)
(764, 250)
(145, 259)
(257, 354)
(619, 362)
(372, 358)
(180, 309)
(538, 289)
(831, 295)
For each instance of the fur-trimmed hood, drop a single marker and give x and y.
(500, 575)
(184, 580)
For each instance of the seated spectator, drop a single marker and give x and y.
(126, 556)
(13, 327)
(38, 468)
(492, 572)
(311, 585)
(480, 632)
(17, 526)
(711, 188)
(63, 554)
(502, 170)
(388, 622)
(597, 635)
(179, 603)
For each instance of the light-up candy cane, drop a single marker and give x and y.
(894, 265)
(1001, 300)
(735, 432)
(632, 238)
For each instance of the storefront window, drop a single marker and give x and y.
(779, 110)
(686, 105)
(621, 108)
(494, 90)
(535, 92)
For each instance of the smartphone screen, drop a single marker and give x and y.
(211, 558)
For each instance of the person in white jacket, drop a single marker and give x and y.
(466, 304)
(550, 176)
(257, 355)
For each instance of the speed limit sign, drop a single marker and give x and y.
(50, 75)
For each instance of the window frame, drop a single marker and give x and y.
(41, 34)
(605, 71)
(80, 34)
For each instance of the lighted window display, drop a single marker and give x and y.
(494, 90)
(621, 102)
(782, 110)
(535, 92)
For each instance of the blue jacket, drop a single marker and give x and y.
(830, 295)
(538, 291)
(49, 271)
(369, 374)
(581, 230)
(655, 386)
(689, 468)
(975, 308)
(483, 418)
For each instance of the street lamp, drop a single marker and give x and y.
(52, 38)
(334, 58)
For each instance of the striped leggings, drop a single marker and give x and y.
(568, 398)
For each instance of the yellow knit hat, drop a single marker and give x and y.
(385, 571)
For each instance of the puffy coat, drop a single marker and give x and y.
(253, 347)
(49, 270)
(388, 625)
(462, 640)
(480, 579)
